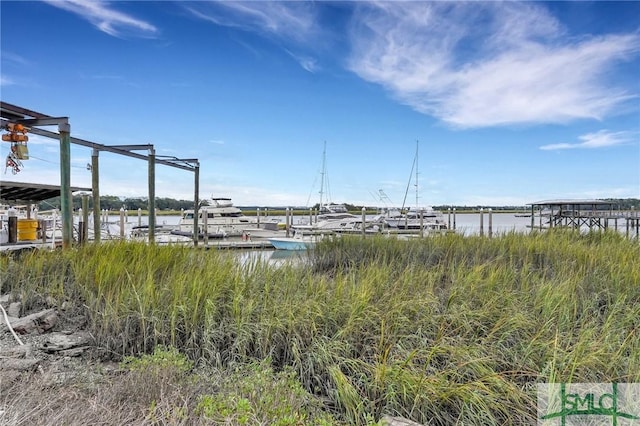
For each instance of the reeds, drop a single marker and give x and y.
(443, 330)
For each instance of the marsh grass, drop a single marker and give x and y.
(446, 330)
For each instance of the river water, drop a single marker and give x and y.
(463, 223)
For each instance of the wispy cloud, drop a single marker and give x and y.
(293, 20)
(485, 64)
(600, 139)
(105, 18)
(307, 62)
(288, 22)
(14, 58)
(6, 81)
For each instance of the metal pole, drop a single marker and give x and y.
(196, 203)
(65, 185)
(95, 190)
(152, 195)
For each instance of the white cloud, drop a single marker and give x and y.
(487, 64)
(107, 20)
(600, 139)
(291, 20)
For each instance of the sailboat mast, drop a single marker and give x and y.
(323, 171)
(417, 192)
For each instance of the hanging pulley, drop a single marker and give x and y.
(17, 136)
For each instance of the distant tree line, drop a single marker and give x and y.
(618, 203)
(110, 202)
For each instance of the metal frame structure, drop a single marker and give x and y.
(32, 119)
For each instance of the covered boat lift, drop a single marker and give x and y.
(12, 114)
(578, 213)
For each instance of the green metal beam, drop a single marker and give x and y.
(65, 185)
(95, 190)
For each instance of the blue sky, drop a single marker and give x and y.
(511, 102)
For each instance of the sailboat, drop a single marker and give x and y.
(332, 218)
(419, 218)
(328, 208)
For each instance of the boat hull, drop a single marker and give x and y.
(290, 244)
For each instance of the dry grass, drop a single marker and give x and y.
(444, 330)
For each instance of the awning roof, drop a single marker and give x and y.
(571, 202)
(31, 192)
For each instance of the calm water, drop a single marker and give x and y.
(467, 223)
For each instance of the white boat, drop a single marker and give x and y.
(331, 208)
(291, 243)
(223, 219)
(339, 223)
(303, 239)
(426, 219)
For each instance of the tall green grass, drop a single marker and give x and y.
(443, 330)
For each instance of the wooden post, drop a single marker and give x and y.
(481, 222)
(13, 227)
(421, 223)
(81, 235)
(139, 216)
(532, 217)
(540, 213)
(364, 220)
(42, 225)
(490, 223)
(53, 229)
(454, 218)
(286, 221)
(258, 217)
(85, 217)
(205, 225)
(122, 222)
(448, 217)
